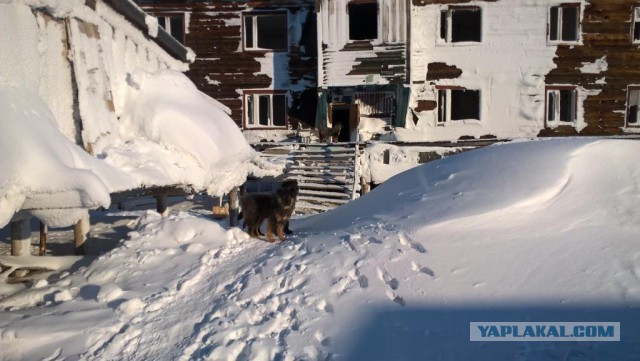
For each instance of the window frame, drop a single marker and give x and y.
(167, 16)
(255, 94)
(635, 21)
(449, 25)
(628, 108)
(378, 34)
(447, 111)
(557, 121)
(559, 41)
(255, 14)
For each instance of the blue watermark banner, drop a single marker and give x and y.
(544, 331)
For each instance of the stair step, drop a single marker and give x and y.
(326, 173)
(320, 167)
(320, 200)
(327, 180)
(324, 186)
(341, 195)
(341, 157)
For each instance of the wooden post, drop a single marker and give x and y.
(43, 238)
(80, 233)
(21, 237)
(365, 187)
(161, 205)
(233, 207)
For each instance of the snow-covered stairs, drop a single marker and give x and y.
(326, 174)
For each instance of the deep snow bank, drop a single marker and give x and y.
(514, 175)
(170, 133)
(41, 169)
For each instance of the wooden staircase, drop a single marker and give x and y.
(327, 175)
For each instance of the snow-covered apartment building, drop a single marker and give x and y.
(416, 70)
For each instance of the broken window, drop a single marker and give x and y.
(458, 104)
(265, 31)
(264, 110)
(363, 20)
(633, 103)
(561, 105)
(564, 23)
(635, 31)
(461, 24)
(173, 24)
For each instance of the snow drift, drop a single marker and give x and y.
(170, 134)
(41, 169)
(532, 231)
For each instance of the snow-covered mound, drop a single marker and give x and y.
(170, 133)
(534, 231)
(41, 169)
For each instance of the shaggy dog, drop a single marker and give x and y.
(331, 133)
(275, 208)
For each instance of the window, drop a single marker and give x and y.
(265, 110)
(265, 31)
(561, 105)
(173, 24)
(458, 104)
(633, 104)
(564, 23)
(635, 25)
(461, 24)
(363, 20)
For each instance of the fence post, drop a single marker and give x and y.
(233, 207)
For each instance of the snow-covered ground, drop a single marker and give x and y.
(527, 231)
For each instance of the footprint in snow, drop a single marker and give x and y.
(386, 278)
(421, 269)
(405, 240)
(395, 298)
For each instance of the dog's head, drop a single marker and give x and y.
(290, 186)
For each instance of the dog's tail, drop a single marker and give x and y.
(240, 216)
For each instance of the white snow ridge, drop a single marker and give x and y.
(528, 231)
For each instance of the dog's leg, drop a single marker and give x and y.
(271, 225)
(286, 228)
(280, 228)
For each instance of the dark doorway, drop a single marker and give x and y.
(342, 115)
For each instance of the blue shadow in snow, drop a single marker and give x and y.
(442, 333)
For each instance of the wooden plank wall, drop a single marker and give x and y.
(221, 68)
(606, 31)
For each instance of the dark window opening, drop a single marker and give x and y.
(551, 107)
(636, 24)
(266, 32)
(248, 32)
(264, 111)
(564, 23)
(466, 25)
(553, 23)
(465, 104)
(443, 24)
(458, 104)
(561, 105)
(633, 104)
(461, 25)
(279, 110)
(570, 24)
(174, 25)
(567, 105)
(363, 21)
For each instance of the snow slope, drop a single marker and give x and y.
(529, 231)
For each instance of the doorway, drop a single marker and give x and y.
(347, 116)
